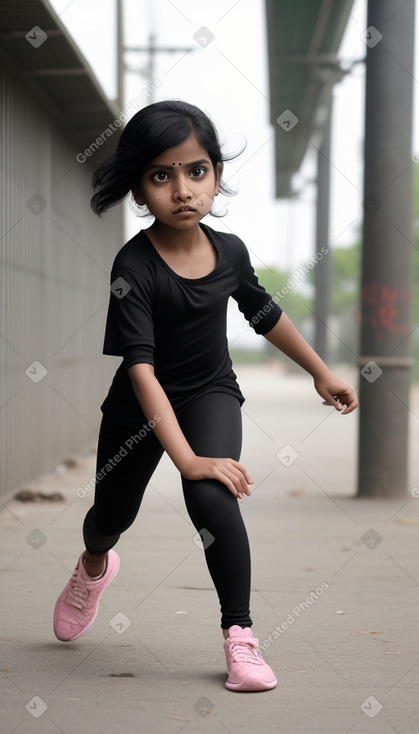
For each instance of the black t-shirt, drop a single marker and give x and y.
(179, 324)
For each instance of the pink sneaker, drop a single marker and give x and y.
(77, 606)
(247, 670)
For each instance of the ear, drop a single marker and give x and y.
(138, 197)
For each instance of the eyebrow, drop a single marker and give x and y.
(170, 168)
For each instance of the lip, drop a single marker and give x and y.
(185, 210)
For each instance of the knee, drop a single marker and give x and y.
(209, 503)
(204, 492)
(106, 526)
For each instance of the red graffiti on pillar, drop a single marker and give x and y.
(384, 306)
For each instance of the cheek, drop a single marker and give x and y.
(203, 203)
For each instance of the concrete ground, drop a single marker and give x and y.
(334, 601)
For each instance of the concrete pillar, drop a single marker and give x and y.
(385, 361)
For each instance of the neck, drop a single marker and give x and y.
(165, 236)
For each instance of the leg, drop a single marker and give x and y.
(120, 485)
(126, 460)
(94, 565)
(212, 426)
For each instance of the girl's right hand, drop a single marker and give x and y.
(228, 471)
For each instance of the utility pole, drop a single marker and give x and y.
(385, 359)
(151, 50)
(323, 269)
(120, 53)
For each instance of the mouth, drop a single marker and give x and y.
(184, 209)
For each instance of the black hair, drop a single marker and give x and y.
(148, 133)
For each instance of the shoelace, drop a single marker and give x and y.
(79, 593)
(244, 650)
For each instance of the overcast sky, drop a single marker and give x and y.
(229, 80)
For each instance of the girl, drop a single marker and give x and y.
(175, 389)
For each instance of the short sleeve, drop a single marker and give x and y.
(258, 307)
(129, 328)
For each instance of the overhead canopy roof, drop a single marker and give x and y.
(55, 68)
(303, 40)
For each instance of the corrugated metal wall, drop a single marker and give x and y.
(56, 257)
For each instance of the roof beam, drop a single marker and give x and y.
(320, 29)
(310, 59)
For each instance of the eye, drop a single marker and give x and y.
(198, 172)
(159, 176)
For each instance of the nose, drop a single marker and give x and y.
(181, 190)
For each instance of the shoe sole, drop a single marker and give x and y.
(250, 686)
(70, 639)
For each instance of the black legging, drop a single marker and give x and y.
(212, 427)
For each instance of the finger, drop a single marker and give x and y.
(244, 471)
(231, 480)
(344, 406)
(334, 402)
(349, 400)
(349, 408)
(227, 482)
(238, 479)
(245, 480)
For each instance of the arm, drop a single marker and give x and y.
(154, 401)
(333, 390)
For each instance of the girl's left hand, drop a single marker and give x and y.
(336, 392)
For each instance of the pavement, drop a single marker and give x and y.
(334, 599)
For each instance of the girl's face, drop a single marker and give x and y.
(179, 185)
